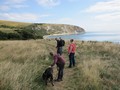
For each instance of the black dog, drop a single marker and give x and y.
(48, 75)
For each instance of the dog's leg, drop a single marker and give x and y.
(45, 81)
(51, 80)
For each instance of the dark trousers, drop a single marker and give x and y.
(72, 59)
(60, 71)
(59, 50)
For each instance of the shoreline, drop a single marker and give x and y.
(52, 36)
(47, 36)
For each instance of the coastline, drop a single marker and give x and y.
(62, 34)
(87, 36)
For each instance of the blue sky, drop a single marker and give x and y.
(92, 15)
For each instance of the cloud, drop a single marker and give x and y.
(106, 11)
(106, 27)
(108, 6)
(67, 20)
(9, 7)
(48, 3)
(14, 1)
(109, 16)
(72, 0)
(60, 21)
(21, 17)
(12, 4)
(4, 8)
(64, 20)
(20, 6)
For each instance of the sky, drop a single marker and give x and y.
(92, 15)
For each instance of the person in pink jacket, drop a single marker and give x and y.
(71, 53)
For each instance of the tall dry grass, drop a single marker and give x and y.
(23, 62)
(97, 66)
(13, 23)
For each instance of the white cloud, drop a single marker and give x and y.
(21, 17)
(14, 1)
(61, 21)
(9, 7)
(16, 16)
(106, 27)
(12, 4)
(72, 0)
(108, 6)
(4, 8)
(106, 11)
(64, 20)
(48, 3)
(109, 16)
(19, 6)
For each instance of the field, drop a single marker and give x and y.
(13, 23)
(23, 62)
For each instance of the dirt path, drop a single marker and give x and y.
(63, 84)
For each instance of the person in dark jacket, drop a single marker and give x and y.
(60, 44)
(57, 40)
(60, 62)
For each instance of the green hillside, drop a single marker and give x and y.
(11, 26)
(10, 30)
(23, 62)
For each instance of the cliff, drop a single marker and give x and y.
(59, 28)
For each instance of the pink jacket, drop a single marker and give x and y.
(72, 48)
(58, 59)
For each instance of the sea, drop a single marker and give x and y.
(91, 36)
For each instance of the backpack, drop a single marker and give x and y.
(63, 43)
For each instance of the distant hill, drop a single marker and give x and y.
(22, 30)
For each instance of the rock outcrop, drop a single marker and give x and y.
(59, 28)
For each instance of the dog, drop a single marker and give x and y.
(48, 76)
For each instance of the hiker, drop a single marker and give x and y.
(60, 62)
(71, 53)
(58, 50)
(60, 44)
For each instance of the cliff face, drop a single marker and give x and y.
(59, 28)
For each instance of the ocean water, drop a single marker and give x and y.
(92, 36)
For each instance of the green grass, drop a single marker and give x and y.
(23, 62)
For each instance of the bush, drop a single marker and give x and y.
(3, 36)
(9, 36)
(26, 34)
(14, 36)
(23, 33)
